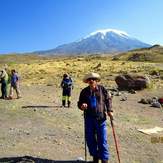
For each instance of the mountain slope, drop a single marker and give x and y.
(102, 41)
(152, 54)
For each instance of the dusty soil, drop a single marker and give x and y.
(37, 126)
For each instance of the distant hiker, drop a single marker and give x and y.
(67, 86)
(4, 83)
(14, 84)
(95, 101)
(9, 78)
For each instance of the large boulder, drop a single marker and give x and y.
(128, 82)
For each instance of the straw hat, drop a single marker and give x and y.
(91, 75)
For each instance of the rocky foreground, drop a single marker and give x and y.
(36, 126)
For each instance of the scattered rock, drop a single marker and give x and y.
(154, 72)
(143, 101)
(149, 100)
(123, 97)
(128, 82)
(132, 91)
(156, 104)
(117, 93)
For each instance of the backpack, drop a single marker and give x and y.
(67, 83)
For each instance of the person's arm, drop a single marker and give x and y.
(61, 85)
(17, 78)
(82, 105)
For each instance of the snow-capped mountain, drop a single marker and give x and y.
(101, 41)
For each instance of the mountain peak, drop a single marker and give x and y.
(101, 41)
(103, 32)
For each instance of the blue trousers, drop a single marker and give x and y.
(96, 138)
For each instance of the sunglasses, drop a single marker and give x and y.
(92, 79)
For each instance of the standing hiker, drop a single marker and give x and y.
(95, 101)
(67, 86)
(14, 84)
(4, 83)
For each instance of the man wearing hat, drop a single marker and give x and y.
(95, 101)
(4, 83)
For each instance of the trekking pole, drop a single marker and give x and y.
(85, 145)
(115, 140)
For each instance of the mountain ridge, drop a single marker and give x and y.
(98, 42)
(150, 54)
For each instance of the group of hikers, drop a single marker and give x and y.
(96, 103)
(9, 82)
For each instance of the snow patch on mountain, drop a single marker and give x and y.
(100, 42)
(103, 33)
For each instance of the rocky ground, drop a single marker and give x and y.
(36, 126)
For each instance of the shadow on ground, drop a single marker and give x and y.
(30, 159)
(40, 106)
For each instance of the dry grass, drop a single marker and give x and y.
(152, 54)
(51, 133)
(42, 70)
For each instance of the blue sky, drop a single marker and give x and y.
(31, 25)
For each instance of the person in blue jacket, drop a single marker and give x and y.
(67, 86)
(14, 84)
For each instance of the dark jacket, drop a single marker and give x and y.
(102, 99)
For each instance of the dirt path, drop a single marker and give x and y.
(37, 126)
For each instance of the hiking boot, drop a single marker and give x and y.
(2, 97)
(63, 103)
(69, 104)
(104, 161)
(10, 98)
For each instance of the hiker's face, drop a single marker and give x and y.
(92, 82)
